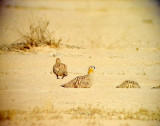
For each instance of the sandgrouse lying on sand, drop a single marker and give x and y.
(81, 81)
(129, 84)
(60, 69)
(158, 87)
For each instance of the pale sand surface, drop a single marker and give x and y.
(26, 84)
(120, 38)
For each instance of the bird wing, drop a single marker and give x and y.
(56, 69)
(78, 82)
(63, 69)
(82, 81)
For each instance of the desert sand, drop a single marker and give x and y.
(119, 37)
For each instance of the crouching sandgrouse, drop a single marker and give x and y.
(81, 81)
(129, 84)
(158, 87)
(60, 69)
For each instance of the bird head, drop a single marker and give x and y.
(58, 60)
(91, 69)
(117, 86)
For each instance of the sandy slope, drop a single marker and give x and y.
(120, 38)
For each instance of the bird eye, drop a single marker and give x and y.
(93, 67)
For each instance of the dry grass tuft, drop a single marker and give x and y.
(38, 35)
(86, 112)
(47, 109)
(101, 113)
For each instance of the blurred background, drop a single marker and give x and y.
(109, 24)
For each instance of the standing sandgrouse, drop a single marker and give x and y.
(60, 69)
(81, 81)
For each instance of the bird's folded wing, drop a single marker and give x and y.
(56, 69)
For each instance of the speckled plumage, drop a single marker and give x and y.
(129, 84)
(60, 69)
(81, 81)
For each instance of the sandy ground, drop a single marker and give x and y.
(120, 38)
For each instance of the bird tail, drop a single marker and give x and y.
(63, 85)
(69, 85)
(65, 73)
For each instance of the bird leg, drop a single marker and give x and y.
(57, 77)
(62, 77)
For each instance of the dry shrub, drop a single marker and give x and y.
(38, 35)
